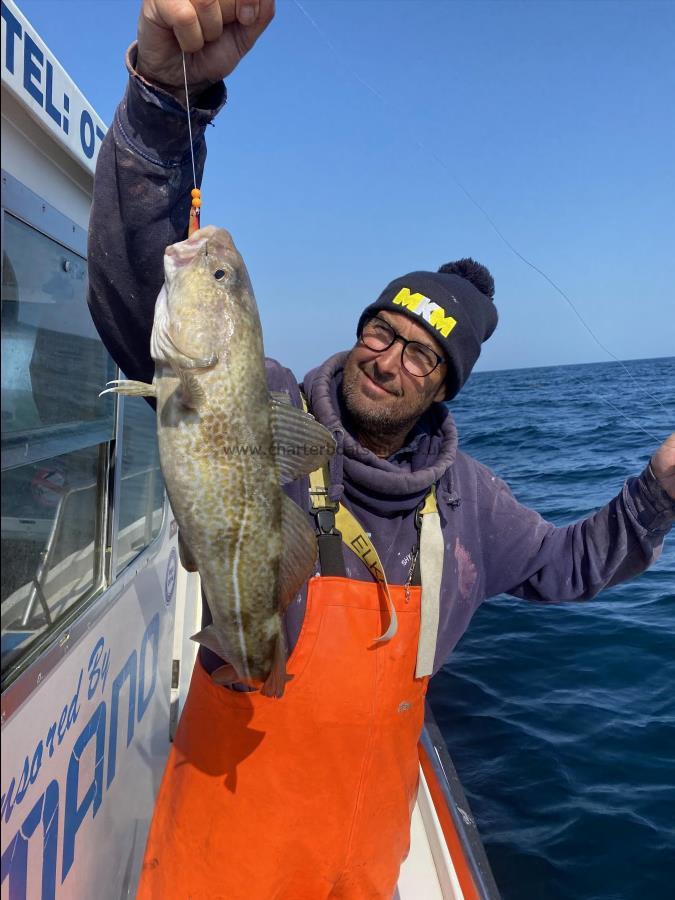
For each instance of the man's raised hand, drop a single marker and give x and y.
(215, 35)
(663, 465)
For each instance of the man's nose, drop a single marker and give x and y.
(388, 362)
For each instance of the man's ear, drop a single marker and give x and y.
(441, 393)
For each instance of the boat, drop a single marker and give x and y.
(96, 612)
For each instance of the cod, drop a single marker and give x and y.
(226, 446)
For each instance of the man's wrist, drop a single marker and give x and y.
(655, 509)
(153, 122)
(658, 491)
(177, 92)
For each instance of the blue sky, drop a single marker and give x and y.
(556, 117)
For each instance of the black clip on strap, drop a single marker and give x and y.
(325, 520)
(329, 540)
(416, 573)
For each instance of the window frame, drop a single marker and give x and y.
(46, 651)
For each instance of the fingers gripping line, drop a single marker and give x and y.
(199, 22)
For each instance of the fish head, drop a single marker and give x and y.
(206, 289)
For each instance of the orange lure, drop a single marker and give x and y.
(194, 210)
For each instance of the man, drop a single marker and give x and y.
(310, 796)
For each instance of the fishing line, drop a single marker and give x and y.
(425, 149)
(631, 421)
(195, 193)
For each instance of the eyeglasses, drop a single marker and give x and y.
(417, 359)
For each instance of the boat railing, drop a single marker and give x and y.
(456, 820)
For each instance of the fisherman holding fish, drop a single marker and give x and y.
(294, 768)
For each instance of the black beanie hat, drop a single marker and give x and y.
(455, 306)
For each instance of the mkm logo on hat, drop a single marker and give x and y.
(422, 306)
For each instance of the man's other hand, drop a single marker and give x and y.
(215, 35)
(663, 465)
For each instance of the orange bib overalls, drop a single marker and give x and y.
(309, 796)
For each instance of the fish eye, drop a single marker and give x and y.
(218, 274)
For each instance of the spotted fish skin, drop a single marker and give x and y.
(218, 455)
(217, 459)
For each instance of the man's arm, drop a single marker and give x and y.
(141, 205)
(144, 170)
(528, 557)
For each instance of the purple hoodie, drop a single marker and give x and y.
(493, 543)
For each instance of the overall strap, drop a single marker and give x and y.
(432, 552)
(348, 529)
(328, 538)
(336, 524)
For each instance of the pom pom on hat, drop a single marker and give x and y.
(474, 272)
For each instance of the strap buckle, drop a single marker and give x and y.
(418, 518)
(325, 520)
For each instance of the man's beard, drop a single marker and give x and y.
(370, 418)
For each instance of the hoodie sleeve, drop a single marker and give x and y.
(141, 205)
(529, 557)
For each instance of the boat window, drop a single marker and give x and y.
(54, 365)
(55, 439)
(141, 499)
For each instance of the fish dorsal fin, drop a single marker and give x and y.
(298, 552)
(162, 346)
(301, 443)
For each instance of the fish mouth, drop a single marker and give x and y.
(204, 242)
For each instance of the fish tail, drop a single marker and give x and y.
(275, 684)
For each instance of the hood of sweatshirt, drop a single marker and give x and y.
(386, 486)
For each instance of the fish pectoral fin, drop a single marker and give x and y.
(191, 392)
(302, 444)
(281, 397)
(130, 388)
(187, 560)
(298, 552)
(208, 637)
(275, 683)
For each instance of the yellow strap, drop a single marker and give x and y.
(318, 479)
(355, 538)
(318, 494)
(430, 505)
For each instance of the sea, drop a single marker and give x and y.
(560, 718)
